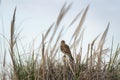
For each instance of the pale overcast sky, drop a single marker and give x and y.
(37, 15)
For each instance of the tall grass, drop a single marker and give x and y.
(48, 67)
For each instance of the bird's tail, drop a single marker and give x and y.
(71, 59)
(72, 62)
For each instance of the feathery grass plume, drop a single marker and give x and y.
(100, 47)
(12, 43)
(61, 15)
(116, 55)
(92, 55)
(110, 60)
(78, 29)
(48, 31)
(102, 41)
(75, 19)
(54, 54)
(79, 55)
(80, 37)
(55, 48)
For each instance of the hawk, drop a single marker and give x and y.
(66, 50)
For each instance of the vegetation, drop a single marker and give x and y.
(46, 65)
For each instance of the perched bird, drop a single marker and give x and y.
(66, 50)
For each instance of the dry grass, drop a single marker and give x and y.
(47, 67)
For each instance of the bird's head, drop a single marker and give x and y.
(62, 42)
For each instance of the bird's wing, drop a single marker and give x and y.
(67, 49)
